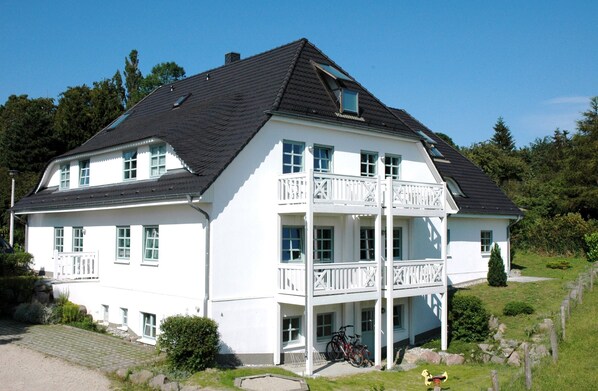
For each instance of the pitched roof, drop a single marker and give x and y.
(225, 108)
(482, 195)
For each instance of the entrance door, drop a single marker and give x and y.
(368, 329)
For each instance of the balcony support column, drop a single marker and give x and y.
(309, 278)
(379, 282)
(278, 334)
(389, 277)
(444, 312)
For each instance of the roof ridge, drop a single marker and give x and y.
(290, 71)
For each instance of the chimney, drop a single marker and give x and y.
(231, 57)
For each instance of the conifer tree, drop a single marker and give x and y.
(496, 268)
(502, 136)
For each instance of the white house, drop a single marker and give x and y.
(276, 196)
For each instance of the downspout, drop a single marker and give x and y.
(207, 254)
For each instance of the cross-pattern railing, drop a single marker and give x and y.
(346, 277)
(418, 274)
(343, 189)
(76, 265)
(414, 195)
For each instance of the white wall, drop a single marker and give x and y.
(466, 262)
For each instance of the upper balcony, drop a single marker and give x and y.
(356, 194)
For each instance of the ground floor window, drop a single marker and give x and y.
(291, 329)
(77, 239)
(59, 239)
(485, 241)
(367, 320)
(397, 316)
(106, 309)
(324, 325)
(149, 325)
(123, 242)
(151, 243)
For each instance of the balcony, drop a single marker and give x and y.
(76, 266)
(361, 277)
(331, 192)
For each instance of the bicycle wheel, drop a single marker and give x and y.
(356, 358)
(333, 351)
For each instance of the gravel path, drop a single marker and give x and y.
(25, 369)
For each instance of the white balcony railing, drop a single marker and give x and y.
(418, 274)
(355, 277)
(347, 190)
(76, 266)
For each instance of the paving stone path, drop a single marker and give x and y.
(93, 350)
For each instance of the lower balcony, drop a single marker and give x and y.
(361, 277)
(76, 266)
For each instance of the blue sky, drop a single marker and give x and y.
(456, 66)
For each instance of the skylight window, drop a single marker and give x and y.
(119, 120)
(426, 138)
(349, 101)
(435, 152)
(180, 101)
(454, 187)
(333, 72)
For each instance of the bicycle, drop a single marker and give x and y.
(347, 347)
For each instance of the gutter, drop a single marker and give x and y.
(207, 254)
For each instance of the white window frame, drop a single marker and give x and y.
(106, 313)
(323, 245)
(323, 158)
(392, 166)
(367, 238)
(292, 242)
(130, 165)
(289, 329)
(123, 243)
(124, 317)
(149, 324)
(398, 312)
(78, 239)
(84, 172)
(151, 244)
(65, 176)
(486, 241)
(324, 327)
(59, 239)
(157, 160)
(368, 164)
(290, 157)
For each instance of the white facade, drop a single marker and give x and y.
(250, 291)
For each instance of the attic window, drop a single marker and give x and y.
(180, 101)
(347, 99)
(333, 72)
(426, 138)
(435, 152)
(430, 145)
(119, 120)
(454, 187)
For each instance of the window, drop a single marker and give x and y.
(106, 316)
(486, 241)
(180, 101)
(367, 320)
(322, 159)
(292, 157)
(84, 173)
(123, 242)
(291, 329)
(118, 121)
(124, 317)
(77, 239)
(392, 164)
(65, 176)
(324, 244)
(292, 244)
(157, 160)
(369, 160)
(59, 239)
(130, 164)
(151, 243)
(149, 325)
(397, 316)
(324, 326)
(367, 244)
(454, 187)
(349, 101)
(333, 72)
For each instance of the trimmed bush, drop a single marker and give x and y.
(515, 308)
(591, 241)
(496, 268)
(191, 343)
(35, 313)
(468, 319)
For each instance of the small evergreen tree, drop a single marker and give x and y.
(496, 268)
(502, 136)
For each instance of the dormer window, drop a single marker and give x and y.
(346, 98)
(430, 145)
(65, 176)
(454, 187)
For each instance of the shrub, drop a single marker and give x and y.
(87, 323)
(191, 343)
(15, 290)
(563, 265)
(496, 268)
(514, 308)
(591, 241)
(468, 319)
(35, 313)
(16, 264)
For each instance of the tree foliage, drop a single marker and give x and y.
(502, 137)
(496, 268)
